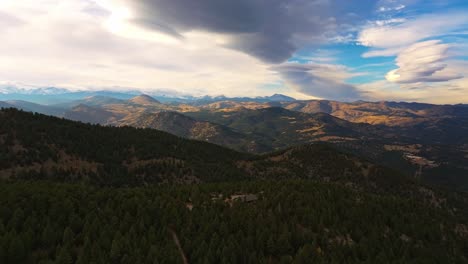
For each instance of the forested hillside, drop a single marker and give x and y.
(38, 146)
(288, 222)
(81, 193)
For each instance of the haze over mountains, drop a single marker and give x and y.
(422, 140)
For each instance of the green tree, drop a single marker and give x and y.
(16, 252)
(116, 251)
(64, 256)
(68, 236)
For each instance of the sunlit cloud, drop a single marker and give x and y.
(423, 62)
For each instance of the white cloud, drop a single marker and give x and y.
(391, 36)
(453, 92)
(109, 43)
(73, 43)
(389, 52)
(423, 62)
(9, 21)
(389, 21)
(421, 57)
(394, 8)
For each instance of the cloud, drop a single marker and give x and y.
(421, 55)
(393, 8)
(271, 30)
(388, 38)
(423, 62)
(318, 80)
(68, 44)
(389, 21)
(195, 47)
(8, 21)
(453, 92)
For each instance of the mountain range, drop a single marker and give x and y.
(423, 140)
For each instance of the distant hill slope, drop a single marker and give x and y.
(387, 113)
(259, 100)
(144, 100)
(187, 127)
(252, 130)
(33, 107)
(94, 101)
(5, 105)
(89, 114)
(279, 128)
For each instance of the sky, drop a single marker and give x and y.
(346, 50)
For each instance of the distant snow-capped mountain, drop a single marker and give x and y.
(13, 89)
(56, 95)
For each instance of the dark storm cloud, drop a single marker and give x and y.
(271, 30)
(317, 80)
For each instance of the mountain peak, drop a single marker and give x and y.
(281, 97)
(144, 99)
